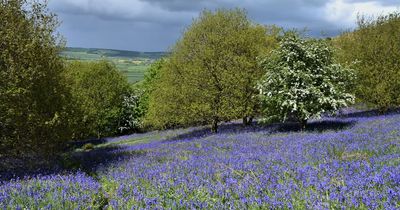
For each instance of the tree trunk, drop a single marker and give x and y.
(303, 124)
(245, 121)
(251, 120)
(214, 126)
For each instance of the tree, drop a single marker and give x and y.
(146, 87)
(132, 112)
(211, 73)
(373, 50)
(302, 80)
(102, 92)
(33, 97)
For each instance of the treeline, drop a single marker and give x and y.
(224, 67)
(373, 50)
(47, 102)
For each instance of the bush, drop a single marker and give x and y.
(103, 96)
(34, 101)
(302, 80)
(373, 50)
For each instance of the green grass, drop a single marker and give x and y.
(128, 142)
(132, 64)
(141, 139)
(134, 73)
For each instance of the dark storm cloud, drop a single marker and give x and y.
(154, 25)
(118, 10)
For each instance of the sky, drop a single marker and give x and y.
(155, 25)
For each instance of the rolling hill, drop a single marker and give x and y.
(132, 63)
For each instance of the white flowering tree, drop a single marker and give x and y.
(302, 81)
(131, 113)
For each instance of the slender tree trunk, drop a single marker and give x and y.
(245, 121)
(251, 120)
(214, 125)
(303, 124)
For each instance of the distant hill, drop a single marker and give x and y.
(132, 64)
(95, 53)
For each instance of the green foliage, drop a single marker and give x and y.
(148, 85)
(211, 73)
(302, 80)
(99, 90)
(33, 99)
(373, 50)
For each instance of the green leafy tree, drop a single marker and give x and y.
(373, 50)
(102, 93)
(212, 71)
(146, 87)
(302, 80)
(33, 97)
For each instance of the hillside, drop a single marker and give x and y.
(132, 63)
(348, 161)
(96, 53)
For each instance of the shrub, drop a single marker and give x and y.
(373, 49)
(302, 80)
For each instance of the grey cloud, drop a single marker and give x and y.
(194, 5)
(183, 5)
(156, 24)
(120, 10)
(178, 10)
(89, 31)
(382, 2)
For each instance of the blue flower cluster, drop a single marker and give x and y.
(356, 166)
(73, 191)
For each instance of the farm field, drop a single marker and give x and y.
(133, 64)
(349, 161)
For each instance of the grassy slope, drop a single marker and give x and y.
(132, 63)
